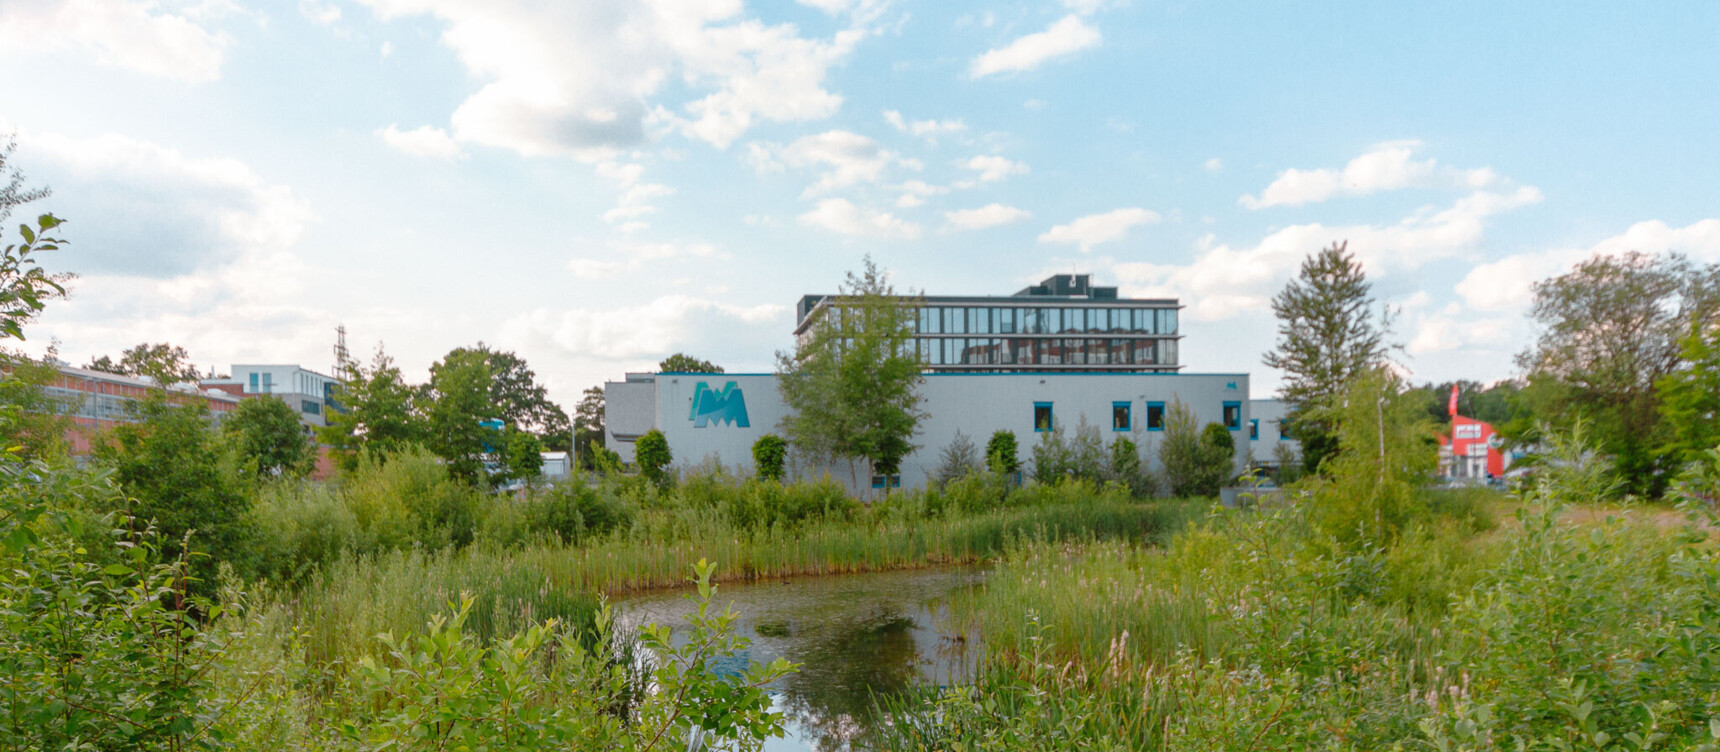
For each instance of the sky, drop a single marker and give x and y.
(597, 184)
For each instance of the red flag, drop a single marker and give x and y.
(1453, 408)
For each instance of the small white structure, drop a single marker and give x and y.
(309, 393)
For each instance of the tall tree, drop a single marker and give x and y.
(1690, 396)
(1327, 335)
(163, 362)
(588, 425)
(372, 412)
(171, 462)
(684, 363)
(267, 434)
(1610, 329)
(852, 384)
(456, 404)
(518, 398)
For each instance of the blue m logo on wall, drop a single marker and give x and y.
(726, 406)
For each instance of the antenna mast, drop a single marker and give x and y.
(342, 358)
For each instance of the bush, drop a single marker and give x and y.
(1195, 463)
(958, 460)
(408, 498)
(1001, 454)
(769, 453)
(567, 512)
(651, 453)
(299, 528)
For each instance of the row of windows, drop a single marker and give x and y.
(989, 320)
(1123, 419)
(986, 351)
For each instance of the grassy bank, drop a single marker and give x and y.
(1267, 631)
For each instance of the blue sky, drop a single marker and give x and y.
(598, 184)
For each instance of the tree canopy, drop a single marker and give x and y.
(1610, 330)
(1327, 335)
(163, 362)
(851, 384)
(373, 412)
(267, 434)
(684, 363)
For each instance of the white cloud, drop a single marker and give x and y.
(993, 168)
(1213, 165)
(135, 34)
(631, 257)
(423, 141)
(927, 129)
(1095, 229)
(145, 210)
(850, 159)
(1505, 284)
(915, 193)
(651, 330)
(990, 215)
(1065, 37)
(582, 78)
(319, 12)
(841, 216)
(386, 49)
(636, 195)
(1387, 167)
(1223, 282)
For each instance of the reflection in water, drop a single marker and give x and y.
(855, 636)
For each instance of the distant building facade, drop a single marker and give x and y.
(717, 417)
(309, 393)
(97, 400)
(1473, 451)
(1270, 442)
(1063, 324)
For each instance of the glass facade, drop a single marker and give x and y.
(975, 336)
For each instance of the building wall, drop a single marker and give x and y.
(98, 401)
(974, 404)
(1268, 424)
(304, 390)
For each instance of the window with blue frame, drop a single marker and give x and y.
(1041, 417)
(1155, 416)
(1254, 429)
(882, 481)
(1283, 430)
(1233, 416)
(1120, 418)
(253, 383)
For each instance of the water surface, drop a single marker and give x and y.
(855, 636)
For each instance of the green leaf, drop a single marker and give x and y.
(116, 570)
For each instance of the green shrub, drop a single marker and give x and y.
(1196, 463)
(958, 460)
(407, 498)
(769, 453)
(651, 453)
(299, 527)
(1002, 453)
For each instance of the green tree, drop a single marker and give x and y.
(958, 460)
(1327, 335)
(588, 427)
(684, 363)
(769, 453)
(524, 457)
(1610, 330)
(167, 364)
(1002, 454)
(373, 413)
(851, 383)
(266, 433)
(517, 398)
(1196, 462)
(1690, 396)
(1386, 452)
(173, 466)
(33, 422)
(651, 453)
(456, 405)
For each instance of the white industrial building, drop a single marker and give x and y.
(1053, 356)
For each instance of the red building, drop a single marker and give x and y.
(1472, 449)
(96, 401)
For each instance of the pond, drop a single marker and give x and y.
(855, 637)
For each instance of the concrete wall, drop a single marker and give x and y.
(1271, 413)
(975, 404)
